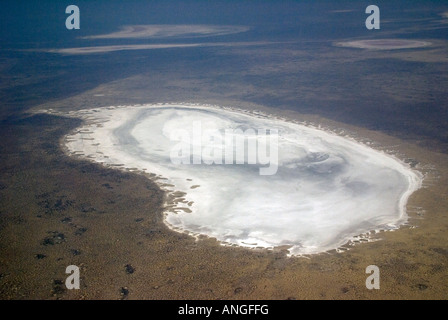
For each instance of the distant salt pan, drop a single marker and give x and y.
(104, 49)
(328, 189)
(170, 31)
(384, 44)
(113, 48)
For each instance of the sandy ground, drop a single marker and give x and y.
(57, 211)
